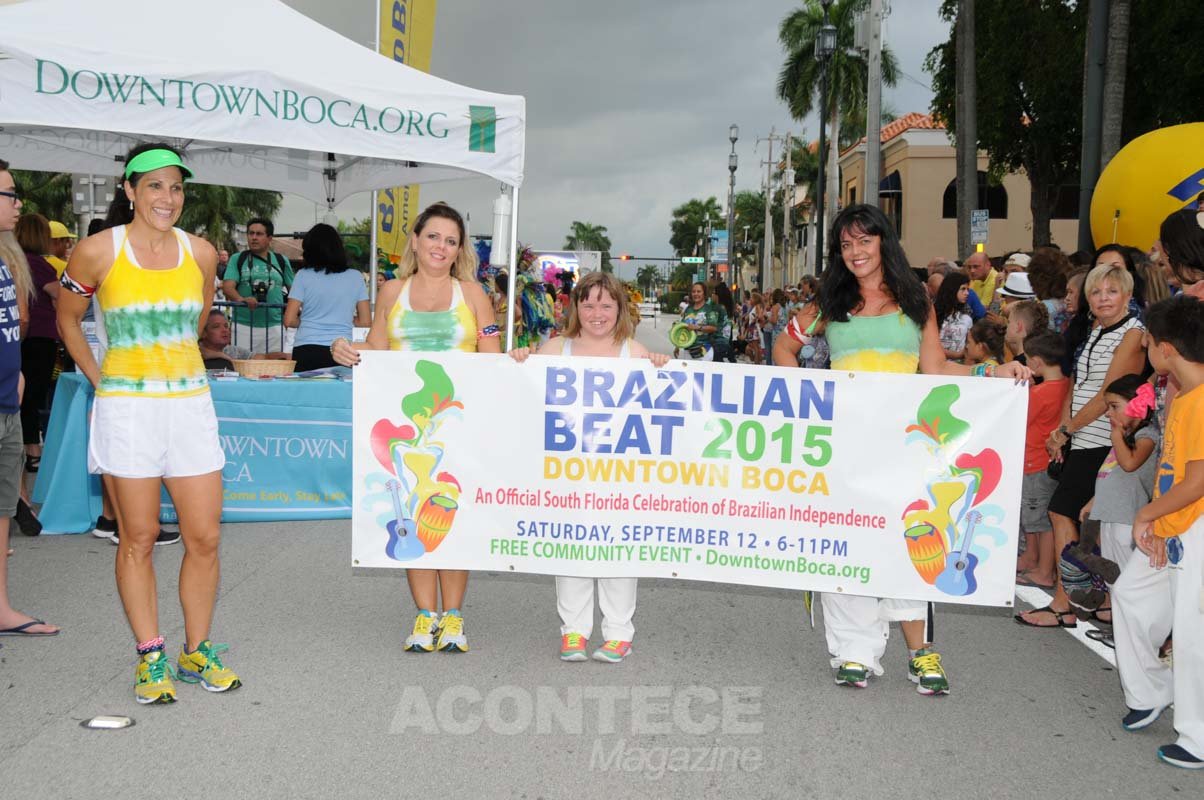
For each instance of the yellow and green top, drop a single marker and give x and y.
(884, 343)
(151, 317)
(453, 329)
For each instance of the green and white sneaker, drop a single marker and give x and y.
(853, 674)
(926, 672)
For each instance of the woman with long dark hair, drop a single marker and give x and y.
(877, 317)
(326, 299)
(953, 315)
(153, 424)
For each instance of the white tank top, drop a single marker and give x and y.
(567, 348)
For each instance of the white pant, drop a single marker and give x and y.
(857, 627)
(264, 340)
(1146, 605)
(616, 596)
(1116, 542)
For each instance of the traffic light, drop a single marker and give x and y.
(624, 257)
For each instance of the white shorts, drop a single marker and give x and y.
(154, 437)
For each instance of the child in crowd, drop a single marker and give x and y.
(1126, 478)
(598, 325)
(953, 315)
(1045, 401)
(1162, 586)
(984, 344)
(1025, 318)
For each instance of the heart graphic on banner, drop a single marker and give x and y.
(384, 436)
(986, 466)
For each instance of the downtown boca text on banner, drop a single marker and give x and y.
(869, 484)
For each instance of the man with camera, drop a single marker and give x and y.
(259, 278)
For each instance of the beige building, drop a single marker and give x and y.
(918, 195)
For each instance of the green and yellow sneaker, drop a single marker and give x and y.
(152, 679)
(853, 674)
(204, 667)
(451, 633)
(926, 672)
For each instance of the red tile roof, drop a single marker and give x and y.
(911, 121)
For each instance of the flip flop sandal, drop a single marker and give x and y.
(1103, 637)
(1059, 615)
(23, 630)
(1022, 579)
(1095, 616)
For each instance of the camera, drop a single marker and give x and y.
(260, 290)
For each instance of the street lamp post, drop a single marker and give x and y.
(825, 46)
(733, 133)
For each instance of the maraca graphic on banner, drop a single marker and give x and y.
(413, 453)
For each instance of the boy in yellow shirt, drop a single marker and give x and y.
(1162, 586)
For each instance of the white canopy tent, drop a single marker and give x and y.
(256, 95)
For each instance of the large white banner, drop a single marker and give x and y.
(885, 485)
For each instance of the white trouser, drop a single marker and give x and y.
(616, 596)
(264, 340)
(1146, 605)
(1116, 542)
(857, 627)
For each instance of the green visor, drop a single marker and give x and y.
(152, 160)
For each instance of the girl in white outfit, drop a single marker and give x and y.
(599, 326)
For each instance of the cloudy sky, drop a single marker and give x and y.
(628, 103)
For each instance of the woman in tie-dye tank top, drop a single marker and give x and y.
(877, 318)
(153, 423)
(434, 304)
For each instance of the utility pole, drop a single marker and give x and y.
(873, 107)
(966, 111)
(1093, 114)
(767, 247)
(787, 200)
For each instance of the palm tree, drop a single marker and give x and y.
(689, 218)
(213, 212)
(647, 277)
(799, 79)
(587, 236)
(1114, 79)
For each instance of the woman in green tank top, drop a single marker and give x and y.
(877, 318)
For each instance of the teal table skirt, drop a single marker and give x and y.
(287, 446)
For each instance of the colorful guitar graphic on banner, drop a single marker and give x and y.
(958, 578)
(403, 540)
(424, 518)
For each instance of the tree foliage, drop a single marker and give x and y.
(688, 218)
(1164, 75)
(647, 277)
(213, 212)
(587, 236)
(1029, 98)
(46, 193)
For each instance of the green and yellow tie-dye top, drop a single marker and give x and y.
(885, 343)
(453, 329)
(151, 318)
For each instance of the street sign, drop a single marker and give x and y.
(693, 260)
(980, 220)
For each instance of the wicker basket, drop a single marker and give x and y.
(260, 368)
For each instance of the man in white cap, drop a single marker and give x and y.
(61, 242)
(1016, 262)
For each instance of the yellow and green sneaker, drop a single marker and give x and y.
(203, 666)
(451, 633)
(926, 672)
(152, 679)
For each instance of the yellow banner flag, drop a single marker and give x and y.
(407, 34)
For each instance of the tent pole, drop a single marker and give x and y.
(372, 253)
(513, 282)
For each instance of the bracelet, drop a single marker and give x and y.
(978, 370)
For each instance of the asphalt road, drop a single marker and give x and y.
(728, 693)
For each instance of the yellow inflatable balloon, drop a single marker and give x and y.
(1151, 177)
